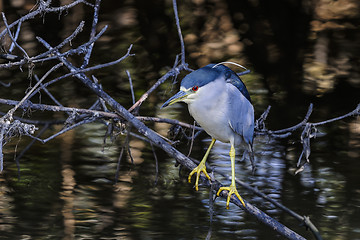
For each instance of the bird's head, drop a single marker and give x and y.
(197, 82)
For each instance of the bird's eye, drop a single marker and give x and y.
(195, 88)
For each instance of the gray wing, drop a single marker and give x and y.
(241, 114)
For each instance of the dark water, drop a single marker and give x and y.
(297, 53)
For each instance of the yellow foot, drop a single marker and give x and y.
(232, 190)
(200, 168)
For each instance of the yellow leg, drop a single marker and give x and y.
(232, 188)
(201, 167)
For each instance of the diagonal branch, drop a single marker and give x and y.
(92, 34)
(12, 37)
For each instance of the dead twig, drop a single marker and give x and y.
(309, 131)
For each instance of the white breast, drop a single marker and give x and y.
(209, 109)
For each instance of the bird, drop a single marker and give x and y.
(220, 103)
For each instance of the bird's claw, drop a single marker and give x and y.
(200, 168)
(232, 190)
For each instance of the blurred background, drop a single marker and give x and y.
(299, 52)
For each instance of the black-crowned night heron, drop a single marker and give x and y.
(219, 101)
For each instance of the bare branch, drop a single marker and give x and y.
(12, 37)
(44, 7)
(12, 46)
(92, 34)
(297, 126)
(11, 112)
(309, 131)
(86, 121)
(45, 107)
(47, 92)
(173, 72)
(61, 45)
(179, 33)
(355, 112)
(131, 87)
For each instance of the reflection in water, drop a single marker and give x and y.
(7, 220)
(136, 208)
(333, 30)
(68, 185)
(354, 139)
(268, 177)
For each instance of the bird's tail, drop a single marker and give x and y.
(252, 157)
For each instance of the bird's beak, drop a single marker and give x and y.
(176, 98)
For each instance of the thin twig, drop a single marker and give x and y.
(355, 112)
(11, 111)
(17, 160)
(131, 87)
(47, 92)
(78, 71)
(177, 21)
(53, 108)
(173, 72)
(79, 50)
(93, 33)
(12, 37)
(61, 45)
(297, 126)
(41, 11)
(12, 46)
(86, 121)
